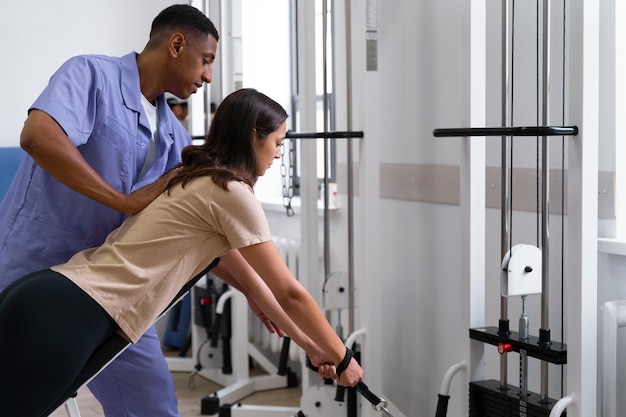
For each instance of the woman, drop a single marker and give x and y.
(52, 320)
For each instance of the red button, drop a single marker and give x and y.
(504, 347)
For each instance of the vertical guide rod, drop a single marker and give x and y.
(507, 116)
(350, 179)
(544, 332)
(326, 140)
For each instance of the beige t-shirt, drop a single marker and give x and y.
(145, 262)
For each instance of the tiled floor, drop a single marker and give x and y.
(189, 400)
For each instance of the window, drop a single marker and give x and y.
(269, 64)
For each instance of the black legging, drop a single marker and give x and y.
(48, 330)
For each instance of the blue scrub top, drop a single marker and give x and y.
(97, 101)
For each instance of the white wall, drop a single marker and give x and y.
(419, 247)
(41, 35)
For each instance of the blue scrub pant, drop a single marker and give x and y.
(138, 383)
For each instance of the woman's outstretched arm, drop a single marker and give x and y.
(235, 271)
(300, 306)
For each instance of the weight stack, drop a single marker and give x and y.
(486, 399)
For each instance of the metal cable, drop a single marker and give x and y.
(563, 195)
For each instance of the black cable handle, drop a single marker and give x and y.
(377, 402)
(369, 395)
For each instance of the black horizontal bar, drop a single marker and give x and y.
(324, 135)
(313, 135)
(508, 131)
(556, 353)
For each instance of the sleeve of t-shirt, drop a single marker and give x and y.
(240, 216)
(71, 98)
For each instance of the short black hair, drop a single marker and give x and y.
(183, 16)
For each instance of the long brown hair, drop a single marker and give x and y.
(228, 153)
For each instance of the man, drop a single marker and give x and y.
(99, 140)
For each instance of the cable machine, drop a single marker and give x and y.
(525, 268)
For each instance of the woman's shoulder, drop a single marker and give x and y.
(237, 194)
(240, 186)
(234, 189)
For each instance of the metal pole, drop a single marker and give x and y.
(326, 128)
(507, 89)
(350, 176)
(544, 332)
